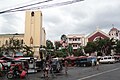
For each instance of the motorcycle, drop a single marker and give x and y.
(15, 72)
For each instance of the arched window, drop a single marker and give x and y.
(98, 38)
(22, 41)
(32, 13)
(6, 42)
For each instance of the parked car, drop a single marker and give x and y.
(86, 61)
(117, 58)
(107, 59)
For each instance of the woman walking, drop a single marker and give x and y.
(97, 64)
(66, 66)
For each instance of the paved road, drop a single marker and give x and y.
(105, 72)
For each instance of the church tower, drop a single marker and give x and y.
(33, 30)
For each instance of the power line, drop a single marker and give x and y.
(56, 4)
(9, 10)
(47, 6)
(51, 5)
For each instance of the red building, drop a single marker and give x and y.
(96, 35)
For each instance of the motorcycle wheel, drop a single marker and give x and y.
(10, 75)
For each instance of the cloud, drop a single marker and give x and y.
(84, 17)
(10, 24)
(77, 18)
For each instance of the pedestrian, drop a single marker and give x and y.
(45, 69)
(66, 66)
(93, 63)
(97, 64)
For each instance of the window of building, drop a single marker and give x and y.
(75, 39)
(22, 41)
(32, 13)
(6, 42)
(78, 39)
(116, 34)
(74, 45)
(70, 39)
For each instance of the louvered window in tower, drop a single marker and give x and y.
(32, 13)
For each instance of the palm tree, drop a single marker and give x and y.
(64, 38)
(49, 44)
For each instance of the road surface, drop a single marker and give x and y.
(105, 72)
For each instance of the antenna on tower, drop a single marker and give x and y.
(112, 25)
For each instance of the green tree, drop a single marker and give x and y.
(79, 52)
(64, 52)
(49, 44)
(104, 46)
(28, 50)
(70, 49)
(117, 47)
(59, 53)
(90, 47)
(15, 45)
(57, 45)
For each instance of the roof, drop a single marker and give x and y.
(114, 29)
(12, 35)
(75, 35)
(98, 30)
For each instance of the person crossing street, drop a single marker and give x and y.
(97, 64)
(66, 66)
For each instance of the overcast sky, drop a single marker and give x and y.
(78, 18)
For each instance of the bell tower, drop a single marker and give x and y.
(33, 29)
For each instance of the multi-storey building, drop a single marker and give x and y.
(5, 38)
(114, 33)
(34, 35)
(76, 40)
